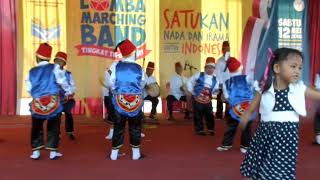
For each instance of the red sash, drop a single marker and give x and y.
(204, 97)
(45, 105)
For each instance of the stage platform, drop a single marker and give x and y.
(172, 152)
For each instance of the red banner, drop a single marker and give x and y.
(93, 50)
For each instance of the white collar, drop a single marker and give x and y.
(131, 58)
(42, 63)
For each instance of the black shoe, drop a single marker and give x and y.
(211, 133)
(200, 133)
(71, 137)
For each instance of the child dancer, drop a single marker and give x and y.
(272, 153)
(107, 91)
(202, 86)
(238, 92)
(127, 81)
(68, 104)
(43, 83)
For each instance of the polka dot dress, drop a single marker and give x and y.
(273, 150)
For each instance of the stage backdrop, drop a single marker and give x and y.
(95, 27)
(164, 31)
(285, 25)
(38, 22)
(88, 30)
(191, 31)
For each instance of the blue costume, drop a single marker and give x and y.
(240, 95)
(127, 101)
(127, 94)
(45, 92)
(202, 105)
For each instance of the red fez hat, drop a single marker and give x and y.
(210, 61)
(225, 44)
(150, 65)
(178, 64)
(126, 48)
(233, 64)
(44, 51)
(61, 55)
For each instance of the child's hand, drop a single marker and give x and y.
(244, 120)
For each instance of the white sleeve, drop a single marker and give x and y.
(192, 81)
(62, 80)
(224, 90)
(28, 84)
(218, 70)
(143, 80)
(153, 80)
(185, 80)
(317, 82)
(107, 80)
(72, 83)
(113, 74)
(249, 80)
(215, 90)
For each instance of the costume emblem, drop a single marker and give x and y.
(239, 109)
(45, 105)
(129, 103)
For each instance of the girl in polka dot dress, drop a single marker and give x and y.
(272, 154)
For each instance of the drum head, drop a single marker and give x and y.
(153, 90)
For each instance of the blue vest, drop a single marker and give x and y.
(44, 83)
(127, 94)
(239, 92)
(200, 84)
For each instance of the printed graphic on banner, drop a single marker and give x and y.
(290, 24)
(190, 31)
(43, 21)
(104, 23)
(45, 33)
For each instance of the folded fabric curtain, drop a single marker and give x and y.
(8, 73)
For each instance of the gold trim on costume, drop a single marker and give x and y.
(135, 146)
(37, 148)
(52, 149)
(117, 147)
